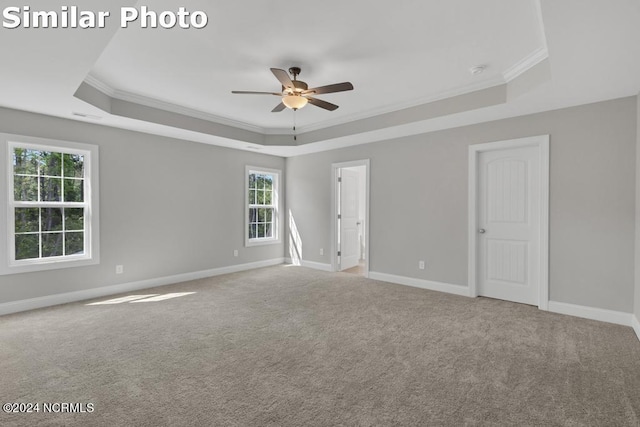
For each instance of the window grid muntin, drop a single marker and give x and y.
(40, 204)
(40, 176)
(41, 231)
(257, 184)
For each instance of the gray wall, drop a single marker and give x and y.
(170, 206)
(419, 201)
(167, 207)
(637, 277)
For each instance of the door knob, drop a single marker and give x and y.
(482, 231)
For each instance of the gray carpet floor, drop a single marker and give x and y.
(289, 346)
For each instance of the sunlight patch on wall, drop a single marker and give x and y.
(295, 242)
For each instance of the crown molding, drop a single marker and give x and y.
(279, 131)
(191, 112)
(510, 74)
(462, 90)
(513, 72)
(178, 109)
(168, 106)
(99, 85)
(543, 33)
(525, 64)
(535, 57)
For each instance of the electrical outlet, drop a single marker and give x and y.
(235, 252)
(421, 265)
(119, 269)
(321, 251)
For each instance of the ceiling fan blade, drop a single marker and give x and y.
(248, 92)
(279, 108)
(322, 104)
(338, 87)
(282, 76)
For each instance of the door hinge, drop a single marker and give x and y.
(339, 253)
(339, 179)
(339, 216)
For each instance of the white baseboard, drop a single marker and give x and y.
(603, 315)
(311, 264)
(636, 326)
(610, 316)
(49, 300)
(420, 283)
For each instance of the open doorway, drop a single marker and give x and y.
(351, 217)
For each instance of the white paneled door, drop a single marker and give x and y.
(509, 197)
(349, 242)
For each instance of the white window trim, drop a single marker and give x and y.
(8, 264)
(276, 202)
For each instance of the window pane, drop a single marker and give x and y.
(50, 189)
(27, 220)
(27, 246)
(253, 215)
(261, 221)
(51, 245)
(74, 190)
(74, 243)
(73, 165)
(51, 219)
(25, 188)
(50, 204)
(25, 161)
(74, 219)
(50, 163)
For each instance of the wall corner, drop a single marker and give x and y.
(636, 299)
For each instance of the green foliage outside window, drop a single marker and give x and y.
(45, 224)
(261, 206)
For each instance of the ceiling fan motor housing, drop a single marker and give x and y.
(298, 86)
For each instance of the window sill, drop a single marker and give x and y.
(18, 268)
(261, 242)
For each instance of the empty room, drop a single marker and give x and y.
(266, 213)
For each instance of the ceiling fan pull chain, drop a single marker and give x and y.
(295, 137)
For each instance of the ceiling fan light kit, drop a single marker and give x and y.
(294, 101)
(296, 93)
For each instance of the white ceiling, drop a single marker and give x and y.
(405, 55)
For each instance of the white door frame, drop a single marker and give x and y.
(542, 143)
(334, 212)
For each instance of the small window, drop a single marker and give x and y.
(52, 198)
(262, 206)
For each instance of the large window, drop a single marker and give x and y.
(51, 217)
(262, 206)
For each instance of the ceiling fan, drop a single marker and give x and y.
(296, 93)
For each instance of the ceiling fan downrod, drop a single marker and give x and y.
(295, 71)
